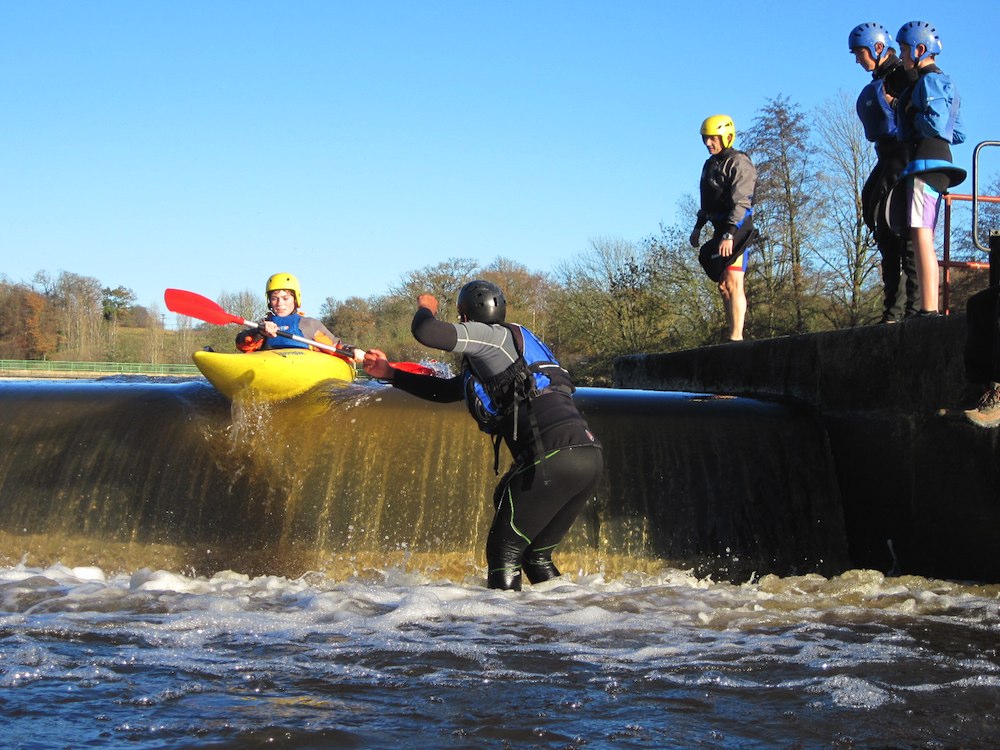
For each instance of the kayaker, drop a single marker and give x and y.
(518, 393)
(284, 301)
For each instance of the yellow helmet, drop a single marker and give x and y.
(283, 281)
(721, 125)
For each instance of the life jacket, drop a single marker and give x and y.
(877, 117)
(290, 324)
(495, 400)
(943, 104)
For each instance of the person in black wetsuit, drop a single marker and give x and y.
(874, 50)
(518, 393)
(728, 180)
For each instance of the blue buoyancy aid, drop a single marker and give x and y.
(932, 109)
(877, 117)
(534, 372)
(289, 324)
(495, 400)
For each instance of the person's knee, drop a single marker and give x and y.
(730, 285)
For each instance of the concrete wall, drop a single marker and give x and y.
(920, 490)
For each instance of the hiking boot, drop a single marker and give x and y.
(987, 411)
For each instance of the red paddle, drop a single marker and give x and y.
(196, 306)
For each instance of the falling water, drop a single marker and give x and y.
(178, 572)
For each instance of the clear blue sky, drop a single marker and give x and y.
(207, 144)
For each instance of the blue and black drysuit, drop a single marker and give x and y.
(928, 117)
(878, 118)
(557, 460)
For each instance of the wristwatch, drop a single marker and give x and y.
(727, 236)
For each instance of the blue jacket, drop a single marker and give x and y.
(932, 109)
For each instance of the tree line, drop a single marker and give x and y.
(815, 269)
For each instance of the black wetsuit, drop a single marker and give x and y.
(728, 180)
(899, 300)
(539, 497)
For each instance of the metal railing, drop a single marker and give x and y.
(41, 366)
(946, 263)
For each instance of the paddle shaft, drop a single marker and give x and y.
(341, 352)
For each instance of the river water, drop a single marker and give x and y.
(175, 574)
(641, 660)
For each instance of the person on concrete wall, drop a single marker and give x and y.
(728, 180)
(874, 50)
(517, 392)
(982, 355)
(928, 119)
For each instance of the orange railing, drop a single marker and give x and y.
(991, 247)
(946, 263)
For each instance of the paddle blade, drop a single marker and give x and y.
(413, 367)
(195, 306)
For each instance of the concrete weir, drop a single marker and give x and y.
(920, 488)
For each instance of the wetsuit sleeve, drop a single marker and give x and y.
(744, 181)
(433, 333)
(314, 329)
(428, 387)
(249, 340)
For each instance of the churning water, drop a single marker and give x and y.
(357, 615)
(398, 659)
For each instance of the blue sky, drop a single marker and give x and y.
(205, 145)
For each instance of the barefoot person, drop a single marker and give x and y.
(728, 179)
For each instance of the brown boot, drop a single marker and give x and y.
(987, 411)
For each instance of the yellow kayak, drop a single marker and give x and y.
(273, 374)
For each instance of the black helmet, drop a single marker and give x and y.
(482, 301)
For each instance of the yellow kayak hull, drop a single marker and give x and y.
(273, 374)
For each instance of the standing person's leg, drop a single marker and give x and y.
(734, 299)
(912, 279)
(890, 246)
(534, 515)
(575, 474)
(728, 273)
(894, 295)
(925, 198)
(927, 267)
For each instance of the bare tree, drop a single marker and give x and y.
(786, 208)
(692, 311)
(353, 320)
(845, 247)
(248, 304)
(75, 304)
(609, 302)
(526, 292)
(444, 281)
